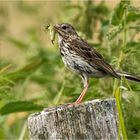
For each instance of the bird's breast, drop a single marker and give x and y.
(67, 54)
(75, 62)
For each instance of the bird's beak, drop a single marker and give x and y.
(57, 28)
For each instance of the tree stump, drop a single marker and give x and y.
(97, 119)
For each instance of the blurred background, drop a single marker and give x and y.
(32, 74)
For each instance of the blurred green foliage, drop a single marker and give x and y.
(32, 75)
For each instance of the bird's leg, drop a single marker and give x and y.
(86, 84)
(79, 100)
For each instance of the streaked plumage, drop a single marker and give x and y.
(78, 56)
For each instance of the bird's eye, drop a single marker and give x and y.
(64, 27)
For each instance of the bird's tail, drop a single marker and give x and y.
(129, 76)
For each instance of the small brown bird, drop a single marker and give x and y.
(78, 56)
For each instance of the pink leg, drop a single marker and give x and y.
(80, 98)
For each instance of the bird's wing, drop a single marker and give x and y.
(92, 56)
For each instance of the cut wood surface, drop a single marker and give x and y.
(97, 119)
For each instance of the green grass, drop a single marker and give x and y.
(33, 76)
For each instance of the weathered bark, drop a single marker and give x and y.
(95, 119)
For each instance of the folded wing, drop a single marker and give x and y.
(92, 56)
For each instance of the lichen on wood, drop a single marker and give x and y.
(95, 119)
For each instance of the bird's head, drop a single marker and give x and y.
(65, 30)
